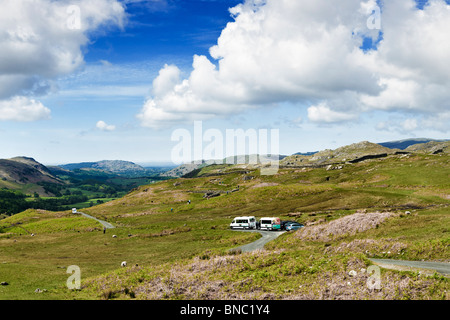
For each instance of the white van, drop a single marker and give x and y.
(74, 210)
(243, 223)
(270, 223)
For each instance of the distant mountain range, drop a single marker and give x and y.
(403, 144)
(352, 153)
(118, 167)
(29, 176)
(23, 171)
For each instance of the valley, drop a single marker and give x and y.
(27, 183)
(392, 207)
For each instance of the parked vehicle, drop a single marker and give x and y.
(270, 223)
(74, 210)
(243, 223)
(294, 226)
(285, 223)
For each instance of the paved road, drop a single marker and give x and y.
(259, 244)
(440, 267)
(107, 225)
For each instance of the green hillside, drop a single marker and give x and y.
(399, 205)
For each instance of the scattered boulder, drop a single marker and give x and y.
(437, 150)
(4, 283)
(352, 273)
(211, 194)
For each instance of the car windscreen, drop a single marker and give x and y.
(266, 221)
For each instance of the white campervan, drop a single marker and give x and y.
(270, 223)
(243, 223)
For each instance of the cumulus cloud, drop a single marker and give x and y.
(102, 125)
(23, 109)
(322, 113)
(42, 40)
(309, 52)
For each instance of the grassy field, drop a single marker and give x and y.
(176, 250)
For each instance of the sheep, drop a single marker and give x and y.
(123, 264)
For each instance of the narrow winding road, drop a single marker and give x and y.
(267, 236)
(107, 225)
(440, 267)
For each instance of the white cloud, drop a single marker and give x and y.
(22, 109)
(322, 113)
(308, 52)
(410, 124)
(42, 40)
(413, 60)
(102, 125)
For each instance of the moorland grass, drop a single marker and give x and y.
(156, 240)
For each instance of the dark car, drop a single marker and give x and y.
(294, 226)
(286, 223)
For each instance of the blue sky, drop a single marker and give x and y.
(269, 69)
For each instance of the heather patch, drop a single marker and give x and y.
(342, 227)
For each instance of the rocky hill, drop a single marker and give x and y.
(118, 167)
(432, 147)
(23, 170)
(238, 162)
(352, 153)
(183, 169)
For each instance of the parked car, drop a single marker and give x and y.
(285, 223)
(294, 226)
(243, 223)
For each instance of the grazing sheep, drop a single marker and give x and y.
(123, 264)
